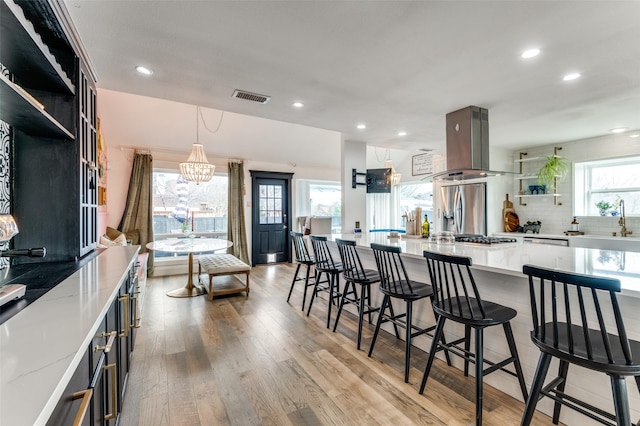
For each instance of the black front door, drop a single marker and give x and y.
(271, 217)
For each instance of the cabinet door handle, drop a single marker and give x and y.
(127, 324)
(107, 348)
(114, 392)
(135, 323)
(85, 395)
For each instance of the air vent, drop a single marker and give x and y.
(254, 97)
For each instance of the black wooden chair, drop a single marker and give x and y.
(457, 299)
(563, 306)
(332, 269)
(303, 257)
(395, 283)
(356, 275)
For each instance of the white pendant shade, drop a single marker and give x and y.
(197, 168)
(395, 177)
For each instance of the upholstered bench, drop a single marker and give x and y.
(216, 265)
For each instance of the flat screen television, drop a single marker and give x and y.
(378, 181)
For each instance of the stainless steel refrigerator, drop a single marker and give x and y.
(463, 208)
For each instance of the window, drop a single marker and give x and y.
(609, 182)
(320, 199)
(180, 206)
(386, 211)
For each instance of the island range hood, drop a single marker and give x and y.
(467, 146)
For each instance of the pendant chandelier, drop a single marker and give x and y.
(395, 176)
(197, 168)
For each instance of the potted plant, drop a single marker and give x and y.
(603, 207)
(556, 167)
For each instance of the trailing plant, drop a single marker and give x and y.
(556, 167)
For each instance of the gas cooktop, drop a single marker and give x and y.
(481, 239)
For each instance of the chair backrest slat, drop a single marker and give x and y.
(300, 248)
(454, 287)
(393, 275)
(322, 254)
(351, 263)
(595, 298)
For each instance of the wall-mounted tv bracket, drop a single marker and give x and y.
(354, 178)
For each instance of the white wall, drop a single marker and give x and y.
(557, 218)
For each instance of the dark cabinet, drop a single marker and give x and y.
(50, 103)
(102, 374)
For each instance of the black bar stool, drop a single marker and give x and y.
(354, 273)
(563, 305)
(325, 265)
(303, 257)
(457, 299)
(395, 283)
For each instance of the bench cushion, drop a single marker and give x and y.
(222, 264)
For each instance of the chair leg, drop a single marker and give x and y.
(368, 292)
(563, 371)
(467, 347)
(479, 376)
(432, 352)
(347, 284)
(516, 359)
(295, 277)
(536, 387)
(315, 291)
(383, 307)
(620, 400)
(395, 326)
(306, 287)
(362, 304)
(332, 284)
(407, 345)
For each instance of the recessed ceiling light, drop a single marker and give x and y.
(635, 135)
(619, 130)
(361, 126)
(144, 70)
(402, 133)
(530, 53)
(297, 104)
(572, 76)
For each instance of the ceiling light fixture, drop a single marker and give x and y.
(530, 53)
(297, 104)
(619, 130)
(197, 168)
(635, 135)
(361, 126)
(402, 133)
(144, 70)
(572, 76)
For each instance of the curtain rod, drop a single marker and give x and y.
(168, 151)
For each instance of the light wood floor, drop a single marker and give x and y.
(258, 360)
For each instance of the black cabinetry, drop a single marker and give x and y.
(51, 106)
(102, 374)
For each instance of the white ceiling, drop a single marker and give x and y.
(393, 65)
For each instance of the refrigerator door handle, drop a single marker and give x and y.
(458, 212)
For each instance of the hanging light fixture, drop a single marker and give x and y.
(395, 176)
(197, 168)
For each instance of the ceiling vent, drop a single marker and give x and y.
(254, 97)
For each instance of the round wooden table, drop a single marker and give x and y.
(189, 246)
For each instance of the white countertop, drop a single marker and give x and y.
(43, 344)
(510, 257)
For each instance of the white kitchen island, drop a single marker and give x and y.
(498, 272)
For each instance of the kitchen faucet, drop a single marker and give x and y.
(622, 221)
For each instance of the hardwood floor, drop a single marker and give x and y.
(258, 360)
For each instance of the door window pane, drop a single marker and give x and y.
(270, 204)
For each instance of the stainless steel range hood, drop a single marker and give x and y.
(467, 146)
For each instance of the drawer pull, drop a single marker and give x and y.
(136, 320)
(114, 392)
(107, 348)
(127, 324)
(85, 395)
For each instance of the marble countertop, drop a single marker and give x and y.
(42, 345)
(510, 257)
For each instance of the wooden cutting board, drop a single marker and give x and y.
(510, 218)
